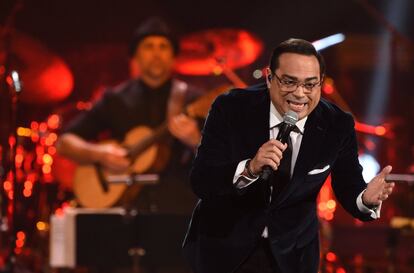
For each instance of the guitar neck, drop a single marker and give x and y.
(147, 142)
(198, 108)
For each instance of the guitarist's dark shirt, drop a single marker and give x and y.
(135, 104)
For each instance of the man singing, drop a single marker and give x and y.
(246, 223)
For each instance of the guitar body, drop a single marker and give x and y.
(147, 147)
(88, 188)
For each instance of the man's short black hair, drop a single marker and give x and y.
(153, 26)
(298, 46)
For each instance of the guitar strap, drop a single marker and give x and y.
(176, 104)
(177, 98)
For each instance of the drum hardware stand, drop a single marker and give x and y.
(141, 179)
(11, 81)
(405, 178)
(136, 254)
(15, 87)
(398, 224)
(129, 180)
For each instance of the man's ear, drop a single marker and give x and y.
(268, 77)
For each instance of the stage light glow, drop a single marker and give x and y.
(27, 193)
(20, 235)
(257, 74)
(370, 165)
(24, 132)
(9, 80)
(28, 185)
(53, 137)
(39, 150)
(53, 121)
(329, 41)
(51, 150)
(19, 160)
(328, 89)
(394, 19)
(19, 244)
(326, 203)
(41, 226)
(7, 185)
(46, 169)
(47, 159)
(380, 130)
(369, 129)
(34, 125)
(59, 212)
(340, 270)
(81, 106)
(331, 204)
(322, 206)
(43, 127)
(331, 257)
(35, 137)
(12, 141)
(217, 70)
(329, 216)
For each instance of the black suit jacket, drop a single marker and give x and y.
(228, 222)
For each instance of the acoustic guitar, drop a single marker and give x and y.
(95, 187)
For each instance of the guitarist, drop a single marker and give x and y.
(147, 100)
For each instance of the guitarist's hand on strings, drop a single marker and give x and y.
(185, 129)
(112, 157)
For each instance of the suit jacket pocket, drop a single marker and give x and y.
(320, 176)
(319, 170)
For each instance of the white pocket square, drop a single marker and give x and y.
(317, 171)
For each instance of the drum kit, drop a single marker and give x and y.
(34, 75)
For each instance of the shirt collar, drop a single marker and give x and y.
(276, 118)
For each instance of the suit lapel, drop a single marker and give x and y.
(257, 122)
(312, 141)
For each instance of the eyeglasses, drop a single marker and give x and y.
(289, 85)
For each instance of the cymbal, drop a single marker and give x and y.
(202, 53)
(46, 77)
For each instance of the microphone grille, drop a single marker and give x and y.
(290, 117)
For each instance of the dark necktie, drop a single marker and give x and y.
(281, 177)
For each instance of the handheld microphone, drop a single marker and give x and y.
(289, 121)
